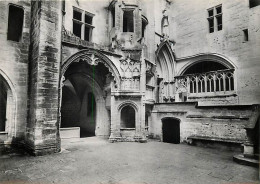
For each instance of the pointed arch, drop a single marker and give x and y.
(92, 57)
(11, 105)
(165, 61)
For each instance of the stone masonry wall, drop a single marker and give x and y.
(222, 122)
(14, 63)
(190, 30)
(42, 129)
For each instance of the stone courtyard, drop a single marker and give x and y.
(95, 161)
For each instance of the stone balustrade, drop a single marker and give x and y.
(209, 83)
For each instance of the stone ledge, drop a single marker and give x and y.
(216, 139)
(246, 161)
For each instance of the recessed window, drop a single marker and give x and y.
(253, 3)
(215, 19)
(82, 24)
(77, 15)
(15, 23)
(128, 21)
(113, 12)
(245, 31)
(144, 24)
(128, 117)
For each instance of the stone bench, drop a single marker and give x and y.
(191, 139)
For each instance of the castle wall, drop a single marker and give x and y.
(189, 29)
(14, 65)
(223, 122)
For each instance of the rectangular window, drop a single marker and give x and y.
(15, 23)
(245, 35)
(128, 21)
(144, 24)
(82, 24)
(253, 3)
(113, 12)
(215, 16)
(211, 20)
(77, 15)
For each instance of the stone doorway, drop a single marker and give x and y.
(84, 111)
(171, 130)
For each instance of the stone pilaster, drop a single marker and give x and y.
(42, 131)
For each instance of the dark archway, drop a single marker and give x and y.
(83, 99)
(128, 117)
(171, 130)
(204, 66)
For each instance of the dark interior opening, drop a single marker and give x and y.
(15, 23)
(128, 117)
(144, 24)
(253, 3)
(256, 138)
(245, 35)
(205, 66)
(113, 12)
(219, 22)
(87, 33)
(77, 15)
(88, 19)
(3, 100)
(128, 21)
(79, 106)
(171, 130)
(211, 25)
(77, 29)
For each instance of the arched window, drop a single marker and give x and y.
(128, 117)
(3, 100)
(209, 77)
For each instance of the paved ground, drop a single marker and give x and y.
(95, 161)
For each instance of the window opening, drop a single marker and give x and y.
(82, 24)
(253, 3)
(15, 23)
(245, 35)
(128, 21)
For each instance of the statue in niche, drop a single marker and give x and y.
(165, 24)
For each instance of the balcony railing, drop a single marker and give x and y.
(209, 83)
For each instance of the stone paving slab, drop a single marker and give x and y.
(95, 161)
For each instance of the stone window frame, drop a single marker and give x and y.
(83, 23)
(214, 15)
(134, 21)
(18, 6)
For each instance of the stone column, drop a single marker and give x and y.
(249, 144)
(115, 122)
(42, 136)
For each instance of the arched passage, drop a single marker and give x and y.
(83, 99)
(90, 77)
(7, 108)
(171, 130)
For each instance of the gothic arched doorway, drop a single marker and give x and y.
(84, 94)
(171, 130)
(7, 109)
